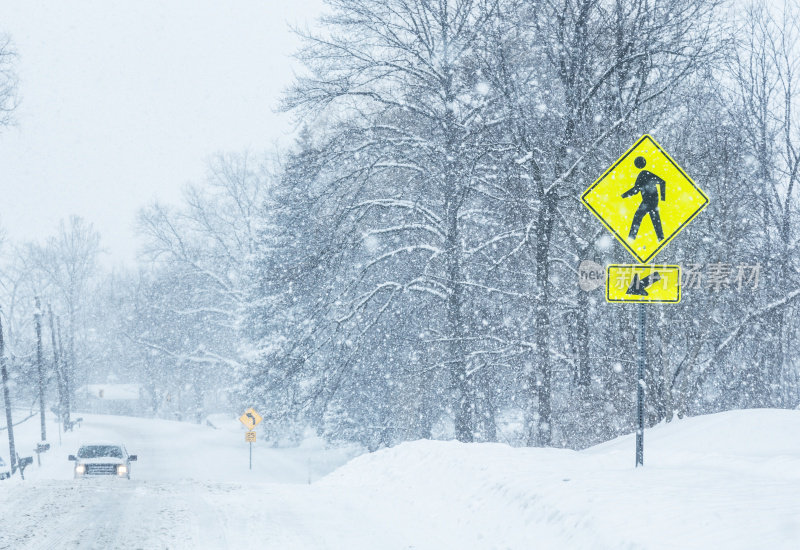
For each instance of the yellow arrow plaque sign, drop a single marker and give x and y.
(643, 283)
(645, 199)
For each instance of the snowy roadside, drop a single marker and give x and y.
(730, 480)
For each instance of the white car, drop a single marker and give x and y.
(102, 459)
(5, 473)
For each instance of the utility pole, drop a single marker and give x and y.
(12, 451)
(37, 320)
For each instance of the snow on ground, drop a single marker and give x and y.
(170, 450)
(730, 480)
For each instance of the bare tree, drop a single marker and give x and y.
(400, 78)
(206, 241)
(68, 261)
(8, 81)
(763, 102)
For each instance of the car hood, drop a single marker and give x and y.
(101, 460)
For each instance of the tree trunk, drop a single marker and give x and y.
(540, 378)
(12, 452)
(462, 382)
(56, 365)
(425, 417)
(66, 369)
(586, 411)
(37, 321)
(486, 404)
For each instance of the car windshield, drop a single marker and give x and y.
(97, 451)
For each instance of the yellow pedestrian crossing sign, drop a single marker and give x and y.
(645, 199)
(250, 418)
(643, 283)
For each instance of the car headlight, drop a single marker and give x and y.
(80, 469)
(122, 470)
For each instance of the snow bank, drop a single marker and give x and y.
(729, 480)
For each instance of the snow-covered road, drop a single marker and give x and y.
(192, 488)
(730, 480)
(106, 514)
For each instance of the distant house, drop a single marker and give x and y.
(111, 398)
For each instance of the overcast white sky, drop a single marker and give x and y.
(123, 102)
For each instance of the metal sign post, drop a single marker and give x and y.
(250, 437)
(250, 419)
(640, 385)
(644, 199)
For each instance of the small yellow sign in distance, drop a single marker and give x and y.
(645, 199)
(250, 418)
(654, 284)
(250, 437)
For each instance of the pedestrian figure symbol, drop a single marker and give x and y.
(648, 186)
(635, 187)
